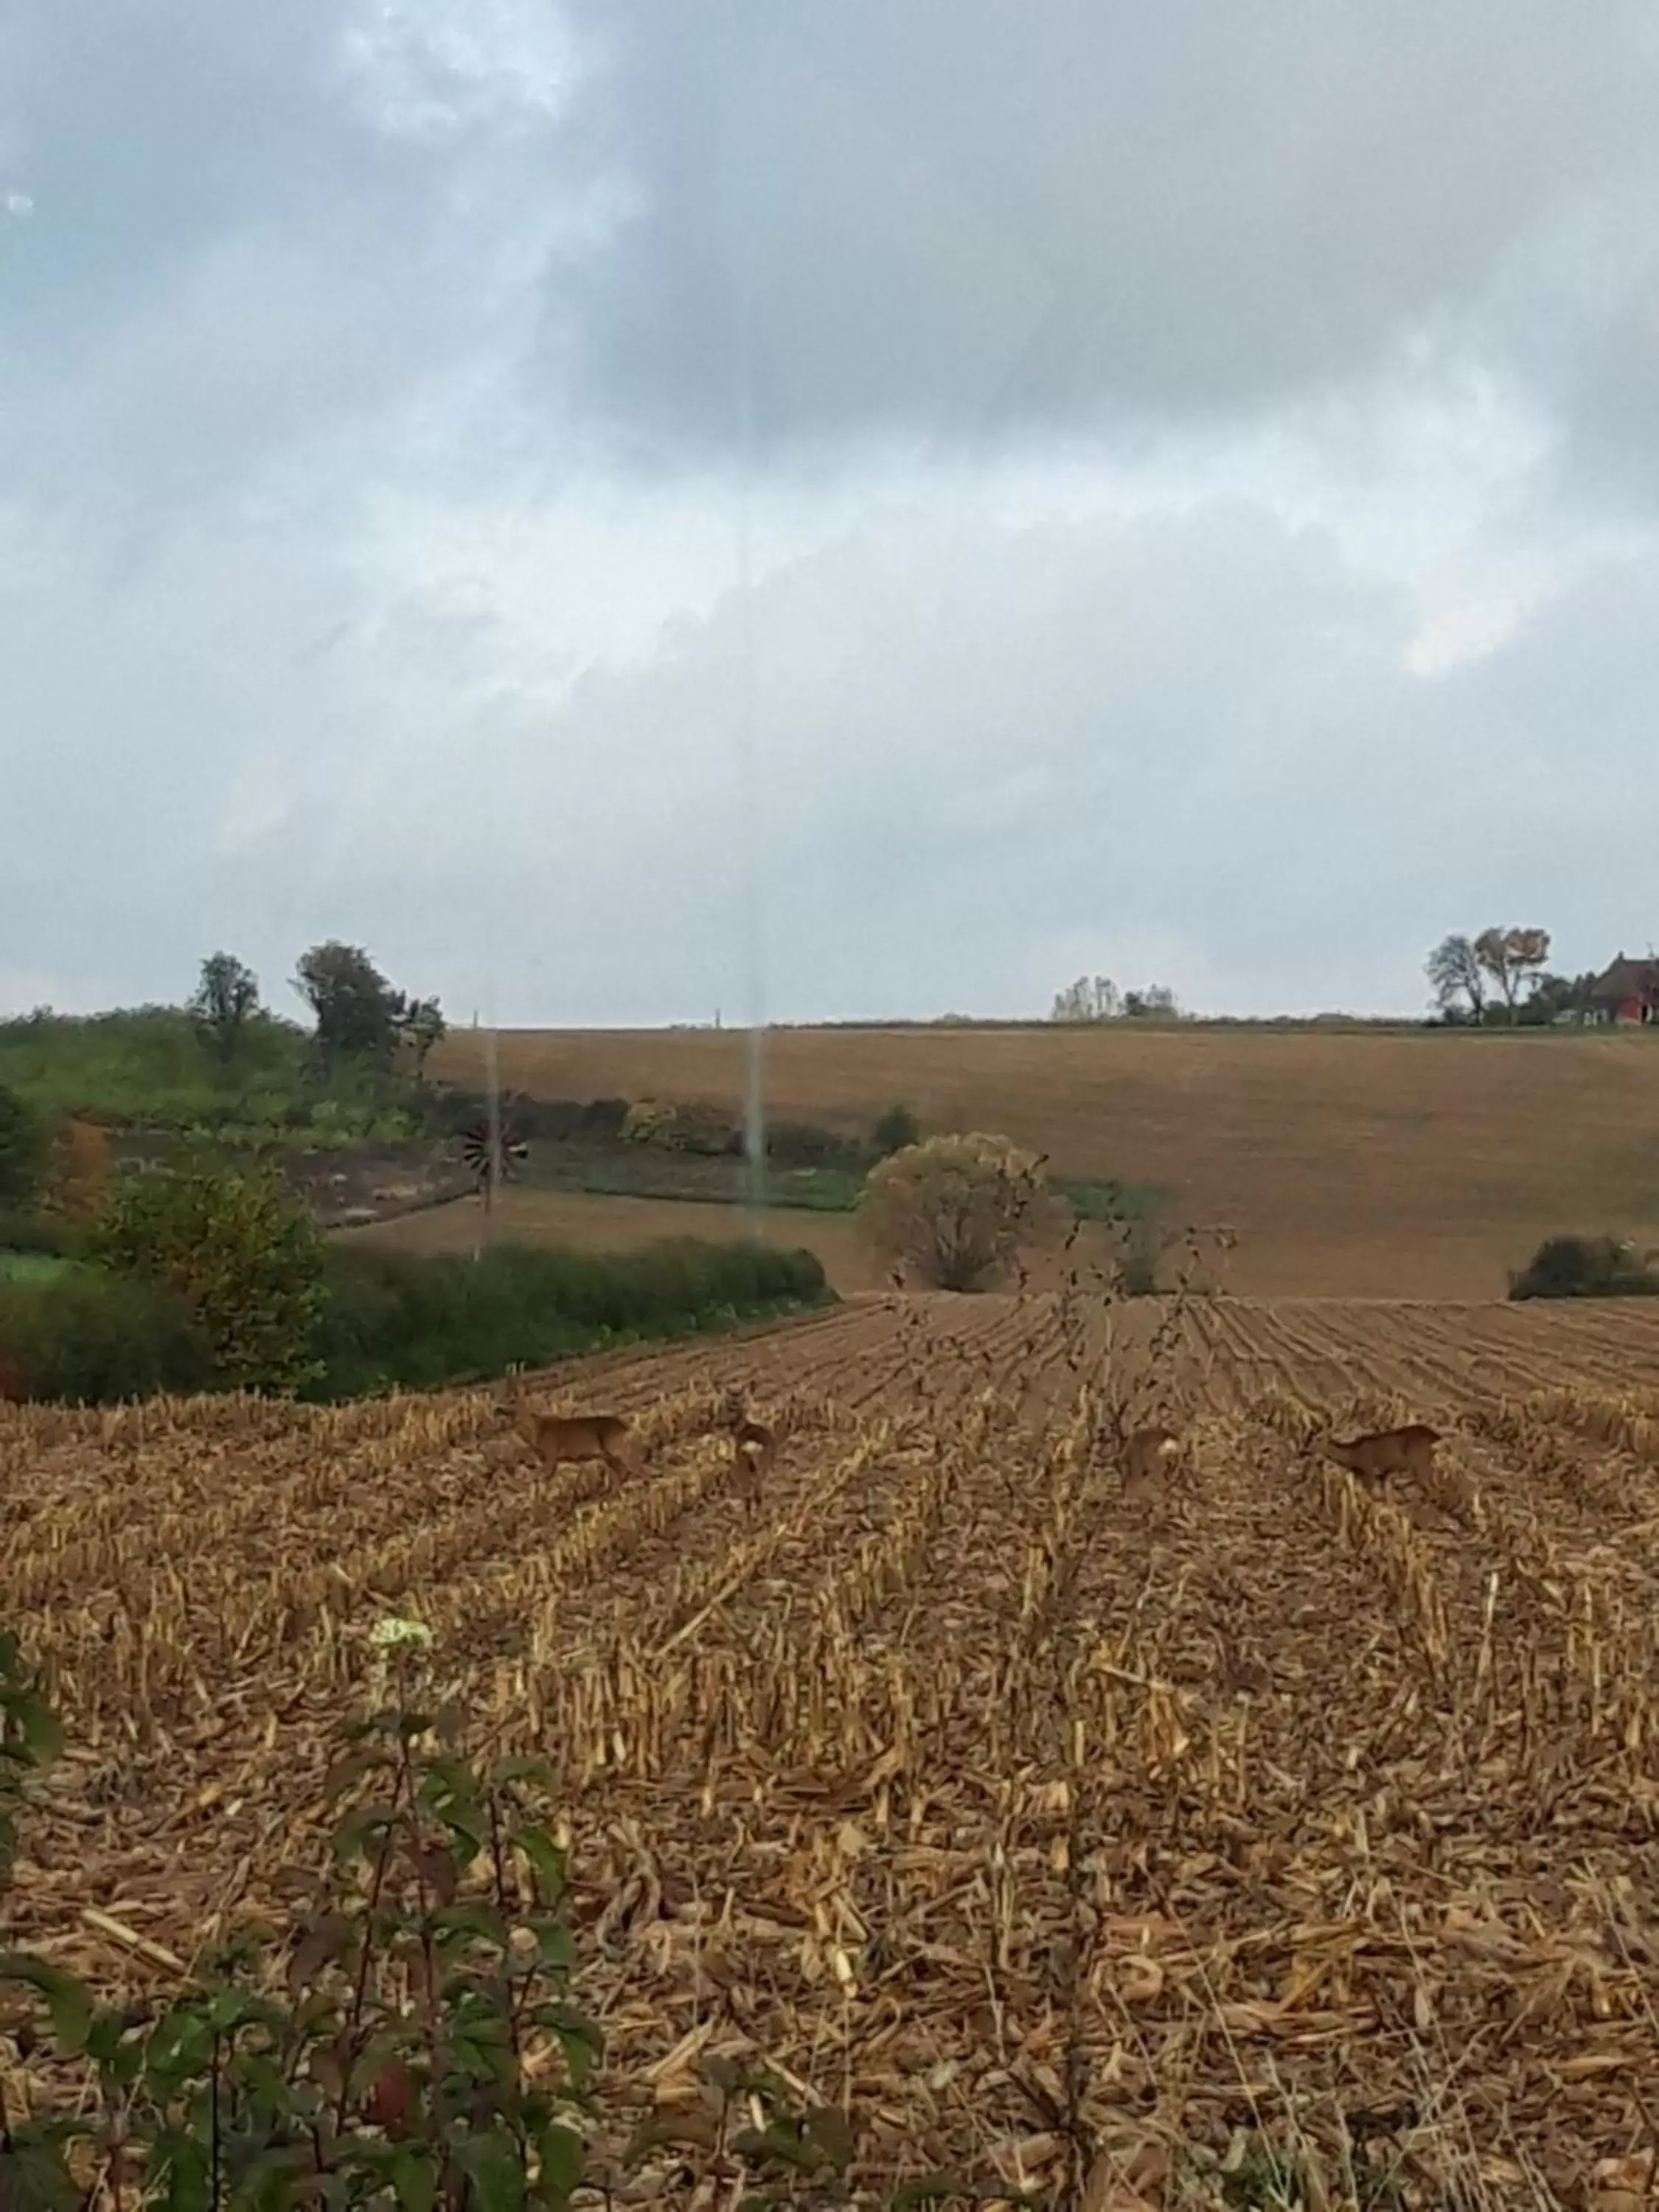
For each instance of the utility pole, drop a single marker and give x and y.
(492, 1182)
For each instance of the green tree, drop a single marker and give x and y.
(1553, 996)
(358, 1014)
(894, 1130)
(1157, 1002)
(240, 1249)
(226, 999)
(955, 1211)
(22, 1145)
(423, 1028)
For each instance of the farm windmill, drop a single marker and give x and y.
(493, 1155)
(477, 1141)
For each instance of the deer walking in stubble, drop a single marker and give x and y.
(562, 1439)
(753, 1445)
(1409, 1450)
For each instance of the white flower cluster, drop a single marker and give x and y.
(389, 1635)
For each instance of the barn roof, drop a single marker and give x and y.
(1627, 979)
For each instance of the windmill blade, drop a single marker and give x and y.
(473, 1142)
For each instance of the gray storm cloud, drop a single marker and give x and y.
(1203, 510)
(961, 217)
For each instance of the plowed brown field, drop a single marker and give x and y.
(1353, 1163)
(1274, 1801)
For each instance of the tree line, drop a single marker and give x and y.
(1503, 975)
(360, 1019)
(1097, 999)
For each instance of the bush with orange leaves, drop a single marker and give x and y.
(955, 1211)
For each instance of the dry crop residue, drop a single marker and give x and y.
(946, 1777)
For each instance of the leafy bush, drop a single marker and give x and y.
(956, 1211)
(804, 1144)
(1141, 1247)
(21, 1145)
(90, 1339)
(695, 1128)
(558, 1120)
(239, 1247)
(1096, 1198)
(409, 2039)
(147, 1066)
(34, 1232)
(894, 1131)
(1585, 1267)
(603, 1118)
(402, 1319)
(387, 2065)
(76, 1174)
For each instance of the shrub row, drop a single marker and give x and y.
(396, 1320)
(91, 1338)
(604, 1122)
(1585, 1267)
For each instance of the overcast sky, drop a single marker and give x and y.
(1198, 466)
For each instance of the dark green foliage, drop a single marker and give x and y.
(894, 1130)
(558, 1120)
(92, 1338)
(29, 1741)
(804, 1144)
(603, 1118)
(1156, 1003)
(148, 1067)
(1585, 1267)
(1555, 997)
(423, 1028)
(226, 1000)
(1105, 1199)
(398, 1319)
(34, 1232)
(380, 1319)
(239, 1247)
(356, 1011)
(23, 1149)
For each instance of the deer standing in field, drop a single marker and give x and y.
(559, 1439)
(753, 1445)
(1147, 1453)
(1409, 1450)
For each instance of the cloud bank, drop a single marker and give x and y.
(1197, 476)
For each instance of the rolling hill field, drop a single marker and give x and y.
(1266, 1814)
(1360, 1163)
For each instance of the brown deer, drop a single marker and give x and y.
(1409, 1450)
(754, 1445)
(1148, 1453)
(559, 1439)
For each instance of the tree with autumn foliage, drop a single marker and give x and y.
(956, 1212)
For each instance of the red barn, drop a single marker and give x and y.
(1629, 992)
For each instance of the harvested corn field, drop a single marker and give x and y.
(1275, 1821)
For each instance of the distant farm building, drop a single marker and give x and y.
(1629, 992)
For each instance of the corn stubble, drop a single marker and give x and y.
(1249, 1830)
